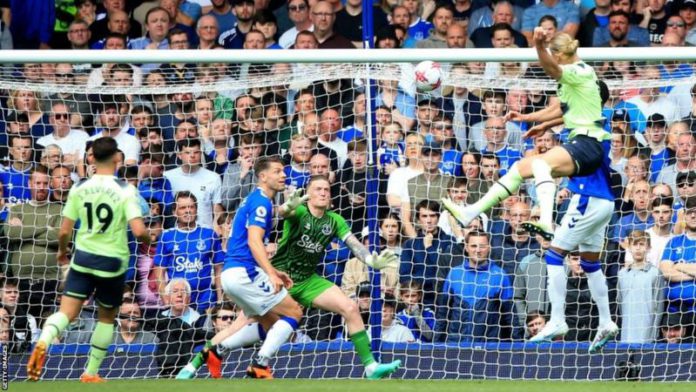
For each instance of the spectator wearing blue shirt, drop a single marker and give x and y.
(513, 243)
(678, 265)
(222, 11)
(597, 17)
(443, 134)
(566, 13)
(620, 33)
(297, 172)
(419, 319)
(403, 106)
(496, 136)
(15, 177)
(638, 219)
(355, 131)
(32, 23)
(427, 258)
(476, 299)
(153, 186)
(418, 27)
(190, 252)
(157, 22)
(233, 38)
(502, 14)
(655, 135)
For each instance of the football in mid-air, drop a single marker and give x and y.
(428, 76)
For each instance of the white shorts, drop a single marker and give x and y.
(584, 225)
(254, 296)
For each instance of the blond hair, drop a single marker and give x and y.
(564, 44)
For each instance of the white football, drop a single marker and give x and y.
(428, 76)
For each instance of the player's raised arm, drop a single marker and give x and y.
(295, 200)
(374, 260)
(547, 62)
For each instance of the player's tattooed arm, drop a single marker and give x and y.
(358, 249)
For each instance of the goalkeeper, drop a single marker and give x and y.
(306, 233)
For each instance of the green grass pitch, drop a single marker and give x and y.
(346, 385)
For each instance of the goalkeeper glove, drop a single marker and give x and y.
(379, 261)
(295, 200)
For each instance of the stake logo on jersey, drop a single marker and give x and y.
(255, 210)
(300, 251)
(191, 255)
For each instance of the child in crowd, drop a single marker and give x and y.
(641, 292)
(390, 154)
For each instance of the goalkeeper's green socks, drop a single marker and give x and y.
(361, 342)
(199, 359)
(54, 327)
(101, 340)
(505, 187)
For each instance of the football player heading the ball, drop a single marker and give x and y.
(585, 159)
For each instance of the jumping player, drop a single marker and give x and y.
(105, 206)
(306, 233)
(585, 160)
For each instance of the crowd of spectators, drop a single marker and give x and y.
(191, 154)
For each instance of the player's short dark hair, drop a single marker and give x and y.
(477, 233)
(188, 142)
(494, 94)
(490, 156)
(104, 148)
(264, 163)
(185, 195)
(533, 315)
(502, 27)
(690, 202)
(619, 13)
(431, 205)
(662, 201)
(21, 137)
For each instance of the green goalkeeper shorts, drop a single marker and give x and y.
(307, 291)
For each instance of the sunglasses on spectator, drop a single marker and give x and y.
(64, 75)
(63, 116)
(130, 317)
(685, 184)
(226, 317)
(297, 8)
(675, 24)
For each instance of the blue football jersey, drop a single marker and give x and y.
(15, 185)
(255, 210)
(597, 184)
(451, 163)
(296, 178)
(191, 255)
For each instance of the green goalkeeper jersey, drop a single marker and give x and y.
(581, 102)
(303, 243)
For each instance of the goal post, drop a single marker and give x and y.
(356, 116)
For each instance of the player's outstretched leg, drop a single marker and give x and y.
(556, 288)
(501, 190)
(546, 194)
(597, 283)
(334, 300)
(54, 326)
(242, 333)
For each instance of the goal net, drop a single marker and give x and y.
(391, 154)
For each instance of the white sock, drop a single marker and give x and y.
(557, 287)
(246, 336)
(546, 191)
(600, 294)
(278, 334)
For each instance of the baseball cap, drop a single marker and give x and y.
(683, 177)
(657, 119)
(431, 147)
(430, 101)
(621, 114)
(687, 4)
